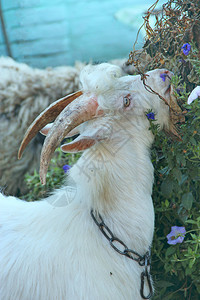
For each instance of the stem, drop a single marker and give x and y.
(192, 230)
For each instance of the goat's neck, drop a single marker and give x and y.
(118, 182)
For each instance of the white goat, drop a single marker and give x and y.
(52, 249)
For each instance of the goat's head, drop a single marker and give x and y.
(106, 95)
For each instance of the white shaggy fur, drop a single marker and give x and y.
(51, 249)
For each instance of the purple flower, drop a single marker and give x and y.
(163, 76)
(186, 48)
(66, 168)
(176, 235)
(150, 116)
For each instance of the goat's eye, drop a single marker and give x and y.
(127, 101)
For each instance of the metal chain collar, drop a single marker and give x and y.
(143, 261)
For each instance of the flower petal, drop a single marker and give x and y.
(186, 48)
(194, 95)
(179, 239)
(163, 76)
(178, 229)
(182, 230)
(172, 242)
(150, 116)
(176, 235)
(170, 235)
(66, 168)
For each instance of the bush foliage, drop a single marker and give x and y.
(176, 268)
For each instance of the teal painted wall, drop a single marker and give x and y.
(59, 32)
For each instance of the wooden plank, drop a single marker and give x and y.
(40, 47)
(47, 61)
(3, 50)
(2, 41)
(47, 30)
(34, 16)
(40, 31)
(21, 4)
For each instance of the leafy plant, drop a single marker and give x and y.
(176, 201)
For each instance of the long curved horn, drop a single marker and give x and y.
(80, 110)
(48, 115)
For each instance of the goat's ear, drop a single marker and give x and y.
(88, 138)
(78, 145)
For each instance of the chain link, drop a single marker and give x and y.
(120, 247)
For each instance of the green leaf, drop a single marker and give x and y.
(164, 171)
(187, 200)
(177, 174)
(164, 284)
(180, 158)
(193, 141)
(167, 187)
(188, 271)
(184, 178)
(191, 222)
(191, 263)
(171, 250)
